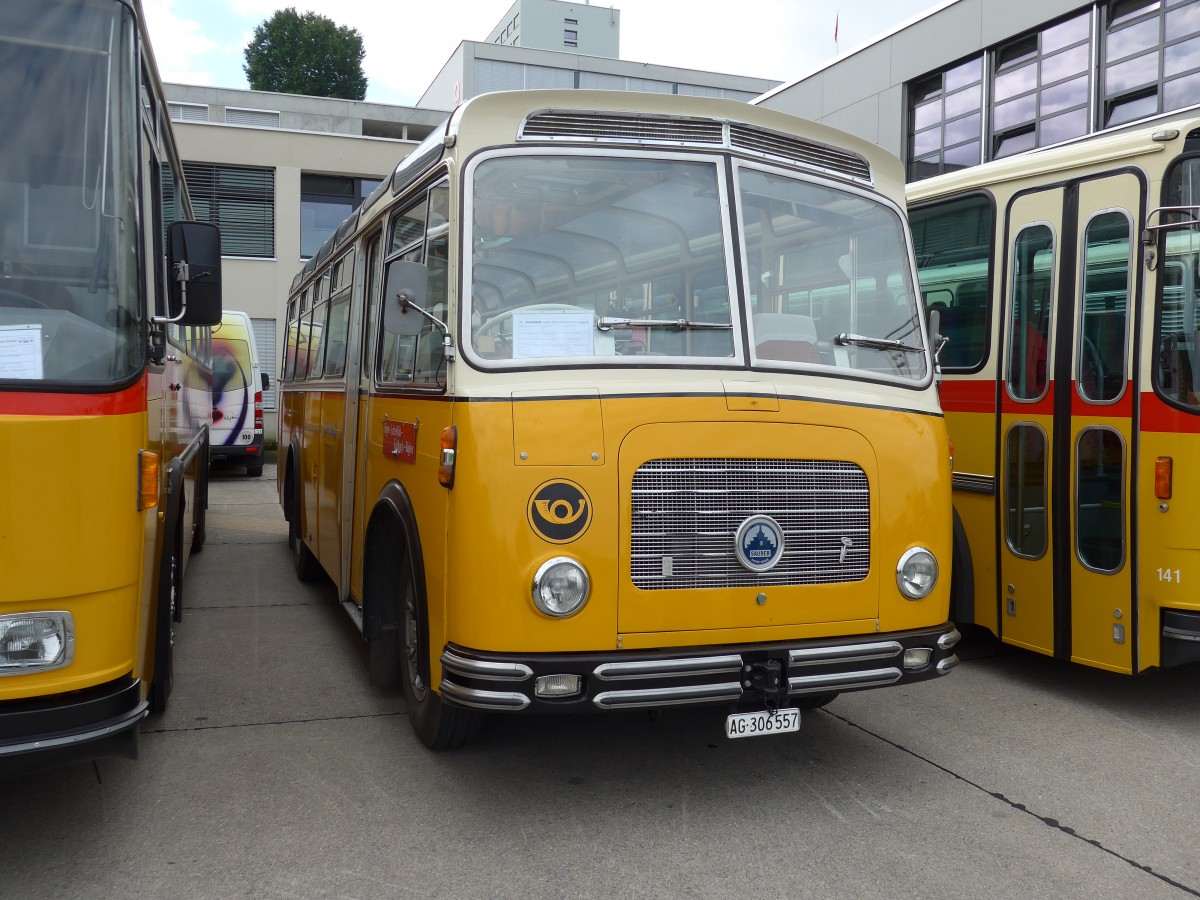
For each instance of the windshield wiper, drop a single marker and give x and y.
(859, 340)
(610, 323)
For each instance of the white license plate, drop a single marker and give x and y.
(756, 724)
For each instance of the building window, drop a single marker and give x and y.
(1040, 87)
(570, 37)
(945, 124)
(1151, 58)
(255, 118)
(188, 112)
(325, 201)
(239, 200)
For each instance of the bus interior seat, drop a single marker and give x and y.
(787, 337)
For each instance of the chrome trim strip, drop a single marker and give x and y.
(355, 613)
(847, 653)
(949, 639)
(1178, 634)
(672, 696)
(947, 664)
(973, 484)
(843, 681)
(477, 699)
(669, 668)
(486, 671)
(126, 721)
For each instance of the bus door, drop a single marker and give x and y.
(1066, 422)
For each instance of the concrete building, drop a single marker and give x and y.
(975, 80)
(555, 25)
(278, 173)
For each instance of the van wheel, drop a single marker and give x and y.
(307, 567)
(439, 726)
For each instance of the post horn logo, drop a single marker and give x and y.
(559, 511)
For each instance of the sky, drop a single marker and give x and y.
(203, 41)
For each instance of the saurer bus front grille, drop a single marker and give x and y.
(686, 513)
(583, 125)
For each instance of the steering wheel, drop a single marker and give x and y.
(21, 301)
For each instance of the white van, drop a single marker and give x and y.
(238, 385)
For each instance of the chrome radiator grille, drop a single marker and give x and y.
(795, 149)
(686, 513)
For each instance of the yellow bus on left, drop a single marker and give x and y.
(107, 294)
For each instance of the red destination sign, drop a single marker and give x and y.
(400, 441)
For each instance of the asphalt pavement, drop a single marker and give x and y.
(278, 772)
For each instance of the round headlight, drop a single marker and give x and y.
(916, 573)
(560, 587)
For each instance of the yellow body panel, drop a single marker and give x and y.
(70, 493)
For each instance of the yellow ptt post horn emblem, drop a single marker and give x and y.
(559, 511)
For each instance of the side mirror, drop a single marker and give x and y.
(937, 340)
(194, 251)
(266, 382)
(405, 292)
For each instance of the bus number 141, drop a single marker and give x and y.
(1171, 576)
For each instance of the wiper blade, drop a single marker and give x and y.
(616, 323)
(859, 340)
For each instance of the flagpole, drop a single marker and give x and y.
(836, 21)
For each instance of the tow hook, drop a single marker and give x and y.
(764, 678)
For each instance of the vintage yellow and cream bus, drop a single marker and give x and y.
(105, 382)
(623, 401)
(1065, 281)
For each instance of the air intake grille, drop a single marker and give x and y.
(576, 125)
(616, 127)
(686, 513)
(809, 153)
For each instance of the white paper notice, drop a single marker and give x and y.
(20, 351)
(552, 334)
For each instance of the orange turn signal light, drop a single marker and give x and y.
(447, 459)
(147, 480)
(1162, 478)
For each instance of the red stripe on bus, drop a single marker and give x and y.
(971, 396)
(35, 403)
(1122, 409)
(1157, 416)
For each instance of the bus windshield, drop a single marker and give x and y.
(69, 303)
(604, 259)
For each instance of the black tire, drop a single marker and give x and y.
(812, 701)
(439, 726)
(164, 641)
(307, 567)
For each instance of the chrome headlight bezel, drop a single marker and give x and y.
(541, 580)
(917, 573)
(62, 625)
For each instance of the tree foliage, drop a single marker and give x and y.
(306, 54)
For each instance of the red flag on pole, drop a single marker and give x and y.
(836, 19)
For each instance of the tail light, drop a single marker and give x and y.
(147, 480)
(258, 413)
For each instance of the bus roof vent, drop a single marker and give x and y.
(582, 125)
(801, 151)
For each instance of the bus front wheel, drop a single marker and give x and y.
(440, 727)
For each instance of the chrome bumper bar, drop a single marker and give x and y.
(633, 680)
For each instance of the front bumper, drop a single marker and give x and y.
(505, 682)
(44, 732)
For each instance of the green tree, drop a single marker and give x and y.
(306, 54)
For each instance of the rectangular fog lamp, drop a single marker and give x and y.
(917, 657)
(38, 641)
(558, 685)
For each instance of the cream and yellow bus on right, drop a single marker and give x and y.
(1066, 282)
